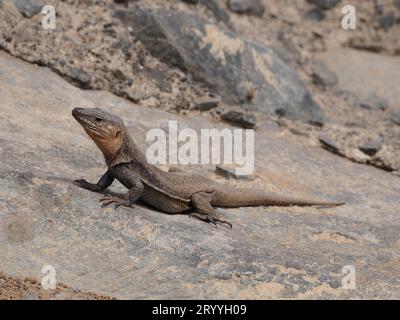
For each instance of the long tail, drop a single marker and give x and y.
(241, 197)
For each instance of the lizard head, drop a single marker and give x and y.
(105, 129)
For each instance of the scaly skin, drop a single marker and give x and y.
(171, 192)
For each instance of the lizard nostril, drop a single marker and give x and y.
(76, 111)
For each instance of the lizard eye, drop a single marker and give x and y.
(98, 119)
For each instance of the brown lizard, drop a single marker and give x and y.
(171, 192)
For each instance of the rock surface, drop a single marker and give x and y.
(28, 7)
(364, 73)
(325, 4)
(140, 253)
(251, 7)
(372, 146)
(240, 118)
(240, 71)
(14, 288)
(374, 102)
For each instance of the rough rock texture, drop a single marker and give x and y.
(240, 71)
(366, 96)
(93, 50)
(140, 253)
(14, 288)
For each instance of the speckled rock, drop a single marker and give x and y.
(137, 252)
(241, 72)
(28, 7)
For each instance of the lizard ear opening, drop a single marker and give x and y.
(118, 134)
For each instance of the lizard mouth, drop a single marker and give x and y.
(86, 123)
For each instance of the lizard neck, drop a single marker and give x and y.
(129, 152)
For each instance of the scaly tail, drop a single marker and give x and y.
(241, 197)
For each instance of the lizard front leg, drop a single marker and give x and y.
(201, 202)
(130, 197)
(104, 182)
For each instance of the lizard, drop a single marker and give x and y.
(172, 191)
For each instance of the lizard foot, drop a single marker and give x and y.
(108, 199)
(210, 219)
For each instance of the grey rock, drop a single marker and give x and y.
(28, 7)
(372, 146)
(387, 21)
(250, 7)
(322, 76)
(240, 71)
(229, 172)
(397, 3)
(240, 118)
(374, 102)
(135, 95)
(216, 10)
(81, 77)
(207, 103)
(324, 4)
(395, 117)
(138, 252)
(329, 144)
(316, 15)
(361, 73)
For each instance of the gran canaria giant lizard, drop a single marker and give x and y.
(171, 192)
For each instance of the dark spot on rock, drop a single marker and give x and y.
(372, 146)
(24, 178)
(207, 103)
(316, 15)
(324, 4)
(251, 7)
(280, 112)
(242, 119)
(328, 144)
(229, 172)
(191, 1)
(387, 21)
(119, 75)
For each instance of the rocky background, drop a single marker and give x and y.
(325, 103)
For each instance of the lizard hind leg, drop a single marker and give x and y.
(204, 211)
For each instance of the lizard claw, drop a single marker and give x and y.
(108, 199)
(207, 218)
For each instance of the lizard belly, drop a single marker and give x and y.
(162, 201)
